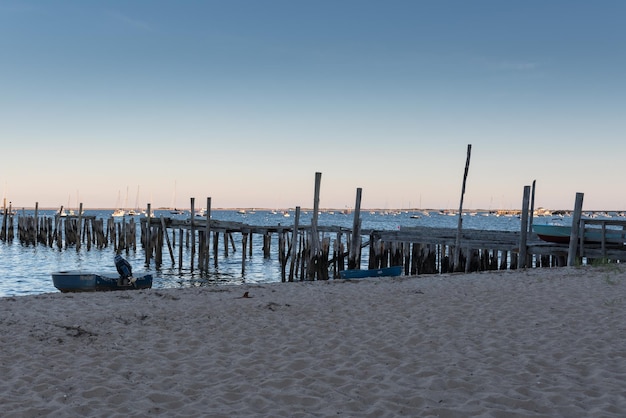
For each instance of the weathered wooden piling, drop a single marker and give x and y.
(314, 262)
(354, 257)
(7, 232)
(522, 261)
(293, 245)
(62, 231)
(573, 242)
(457, 246)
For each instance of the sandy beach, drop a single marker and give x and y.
(531, 343)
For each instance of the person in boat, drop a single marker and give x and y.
(124, 269)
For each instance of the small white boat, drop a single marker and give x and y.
(119, 213)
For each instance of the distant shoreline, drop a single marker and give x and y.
(349, 210)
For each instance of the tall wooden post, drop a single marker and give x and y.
(315, 239)
(521, 261)
(80, 221)
(180, 248)
(244, 242)
(207, 233)
(193, 230)
(36, 221)
(294, 244)
(457, 246)
(148, 247)
(573, 240)
(532, 208)
(355, 242)
(167, 239)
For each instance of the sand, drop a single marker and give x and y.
(530, 343)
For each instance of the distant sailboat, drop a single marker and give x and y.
(174, 210)
(73, 212)
(119, 212)
(136, 211)
(63, 212)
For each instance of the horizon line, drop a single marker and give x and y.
(293, 208)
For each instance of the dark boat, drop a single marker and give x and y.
(361, 274)
(81, 281)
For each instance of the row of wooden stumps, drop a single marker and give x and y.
(7, 230)
(311, 261)
(418, 258)
(295, 266)
(306, 254)
(71, 231)
(294, 252)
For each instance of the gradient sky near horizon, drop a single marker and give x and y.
(128, 102)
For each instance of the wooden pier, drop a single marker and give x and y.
(420, 250)
(313, 252)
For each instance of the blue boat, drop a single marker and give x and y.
(81, 281)
(361, 274)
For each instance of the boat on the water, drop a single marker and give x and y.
(82, 281)
(381, 272)
(118, 213)
(560, 234)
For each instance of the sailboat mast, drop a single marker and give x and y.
(137, 199)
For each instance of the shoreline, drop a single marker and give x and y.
(535, 342)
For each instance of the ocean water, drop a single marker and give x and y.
(26, 269)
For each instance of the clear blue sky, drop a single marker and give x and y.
(244, 100)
